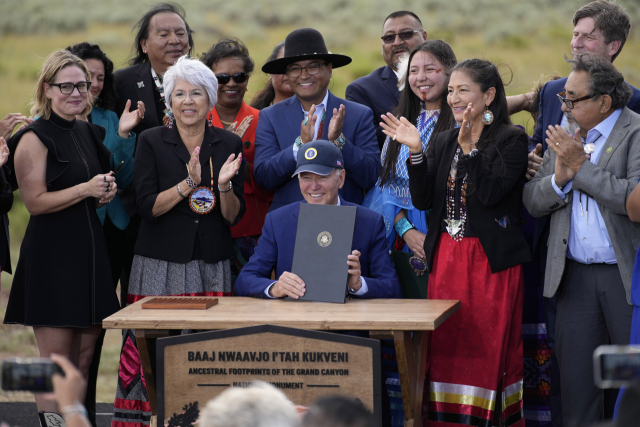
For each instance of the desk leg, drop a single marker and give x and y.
(411, 356)
(144, 343)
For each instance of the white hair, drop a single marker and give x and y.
(194, 72)
(260, 405)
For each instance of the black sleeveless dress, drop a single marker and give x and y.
(63, 277)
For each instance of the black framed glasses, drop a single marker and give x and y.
(404, 35)
(223, 78)
(68, 88)
(569, 102)
(312, 69)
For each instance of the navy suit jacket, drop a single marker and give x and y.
(378, 91)
(551, 115)
(276, 245)
(278, 128)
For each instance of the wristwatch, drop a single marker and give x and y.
(339, 141)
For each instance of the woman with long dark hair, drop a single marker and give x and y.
(471, 181)
(423, 103)
(277, 87)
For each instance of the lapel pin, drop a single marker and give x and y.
(610, 149)
(140, 85)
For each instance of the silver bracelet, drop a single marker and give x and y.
(180, 191)
(227, 190)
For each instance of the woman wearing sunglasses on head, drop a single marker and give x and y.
(230, 61)
(62, 286)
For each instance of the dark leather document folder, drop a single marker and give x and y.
(323, 242)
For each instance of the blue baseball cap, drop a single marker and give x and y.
(320, 157)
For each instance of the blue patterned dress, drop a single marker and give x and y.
(388, 200)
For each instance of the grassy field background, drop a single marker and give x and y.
(528, 37)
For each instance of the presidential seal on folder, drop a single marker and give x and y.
(323, 242)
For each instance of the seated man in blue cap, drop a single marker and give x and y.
(321, 174)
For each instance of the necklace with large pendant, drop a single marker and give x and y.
(202, 200)
(455, 227)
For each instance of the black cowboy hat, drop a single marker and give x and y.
(302, 44)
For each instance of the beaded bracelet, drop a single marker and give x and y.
(298, 142)
(403, 226)
(191, 184)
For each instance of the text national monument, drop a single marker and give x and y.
(305, 365)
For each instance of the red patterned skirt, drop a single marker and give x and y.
(156, 277)
(476, 356)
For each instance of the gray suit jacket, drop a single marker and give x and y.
(609, 183)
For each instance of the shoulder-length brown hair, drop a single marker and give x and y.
(40, 104)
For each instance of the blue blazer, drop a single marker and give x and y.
(278, 128)
(122, 149)
(378, 91)
(551, 115)
(275, 250)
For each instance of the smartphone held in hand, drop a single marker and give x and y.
(29, 374)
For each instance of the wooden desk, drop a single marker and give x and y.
(396, 319)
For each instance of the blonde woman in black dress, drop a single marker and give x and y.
(62, 286)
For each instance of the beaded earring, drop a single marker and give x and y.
(168, 119)
(487, 116)
(210, 120)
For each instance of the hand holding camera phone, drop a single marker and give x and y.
(29, 374)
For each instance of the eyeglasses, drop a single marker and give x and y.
(312, 70)
(404, 35)
(67, 88)
(223, 78)
(569, 102)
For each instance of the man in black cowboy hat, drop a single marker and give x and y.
(313, 113)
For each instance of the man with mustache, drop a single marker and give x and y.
(401, 32)
(582, 186)
(601, 28)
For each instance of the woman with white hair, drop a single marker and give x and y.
(188, 191)
(189, 194)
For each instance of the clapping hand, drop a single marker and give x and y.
(4, 151)
(9, 122)
(464, 137)
(569, 153)
(336, 123)
(130, 119)
(402, 131)
(194, 166)
(229, 170)
(308, 126)
(242, 129)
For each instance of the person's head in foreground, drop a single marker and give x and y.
(320, 171)
(337, 411)
(260, 405)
